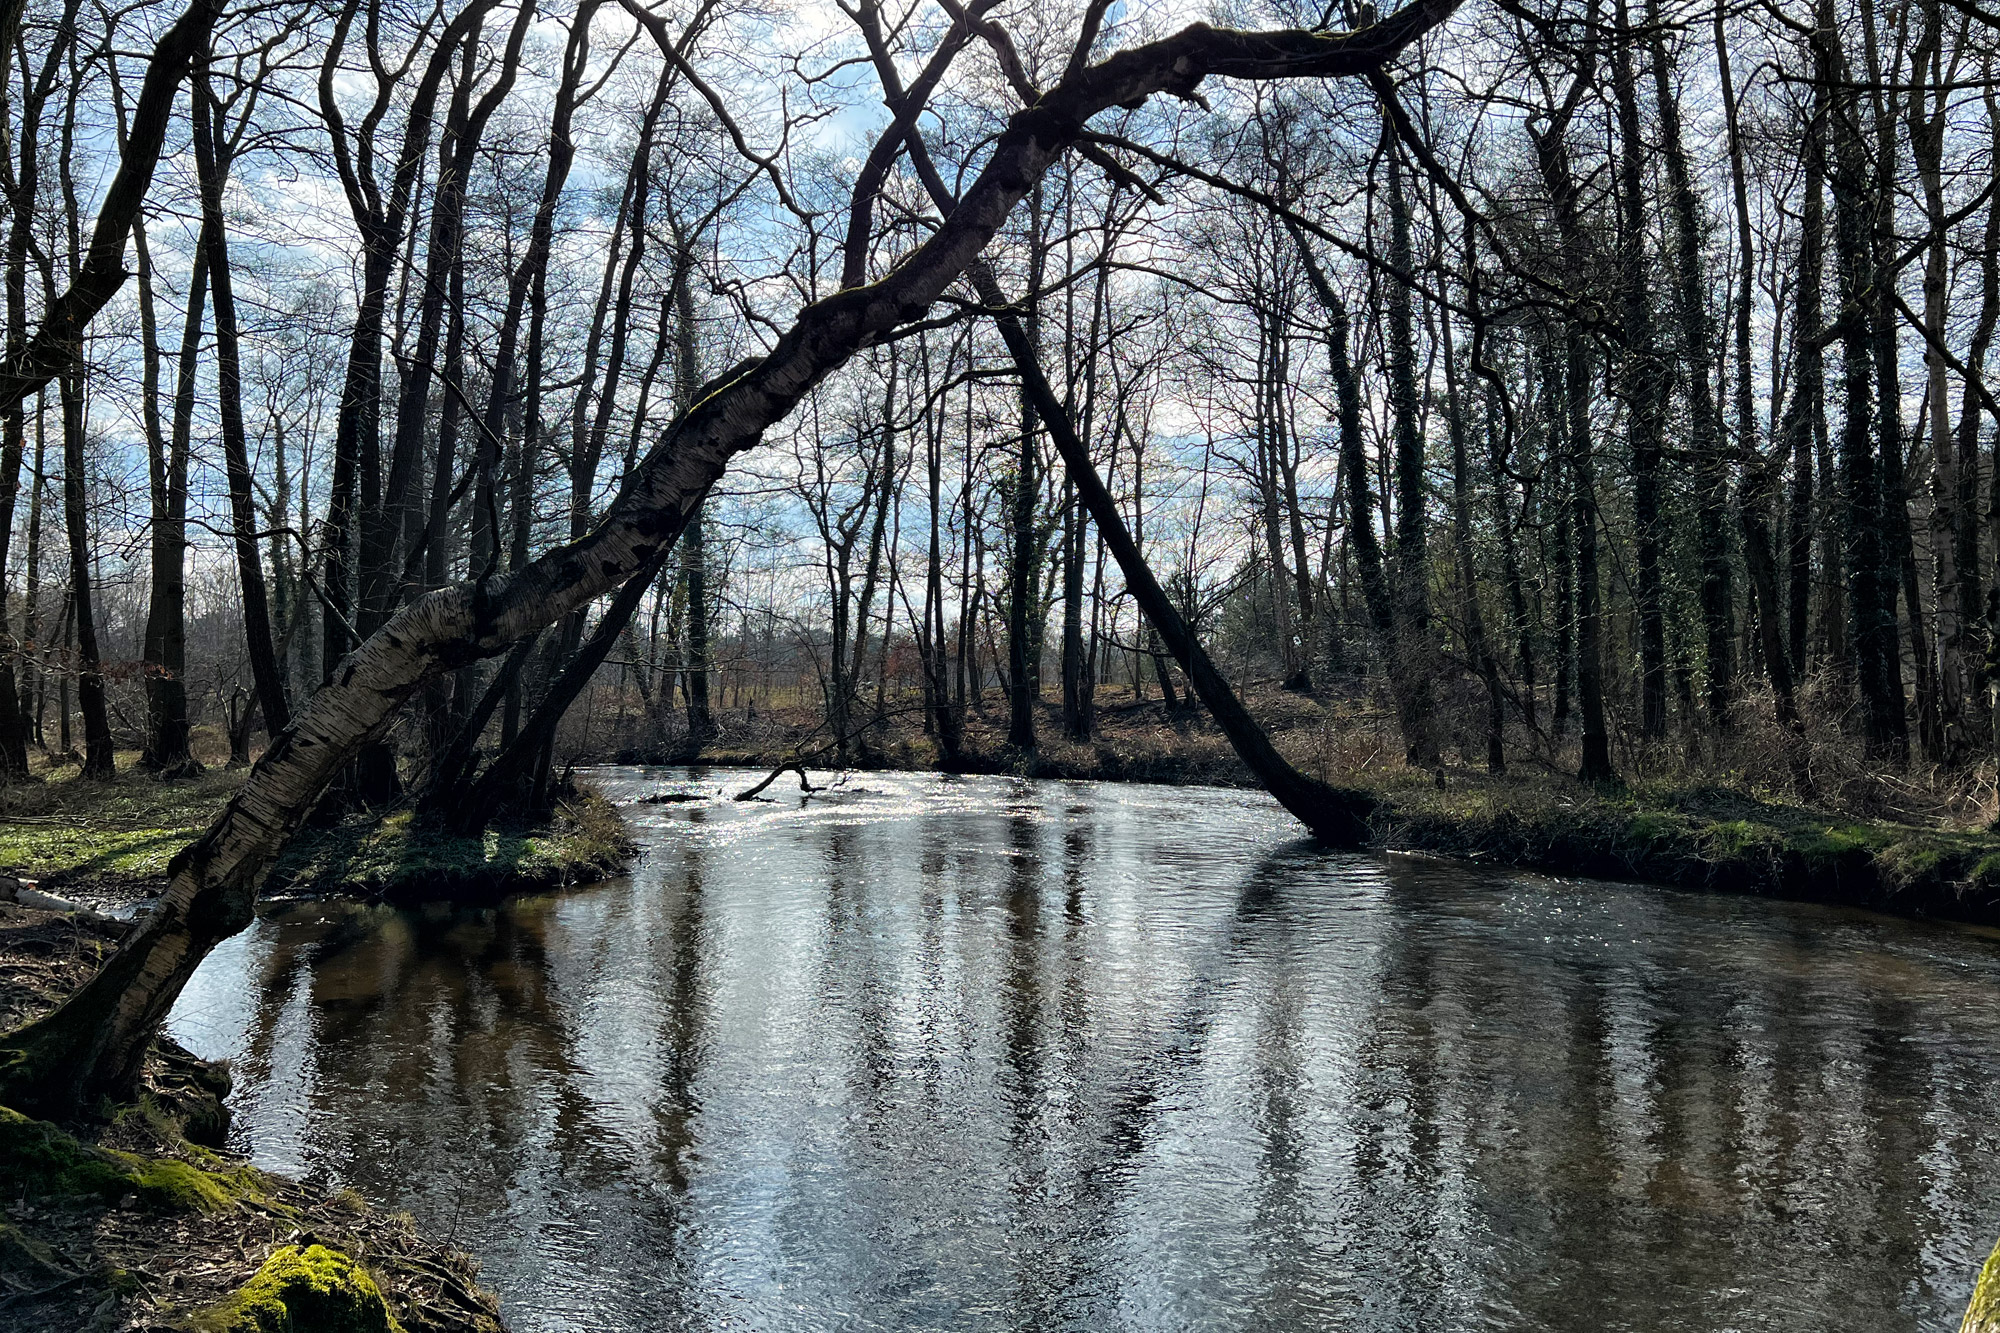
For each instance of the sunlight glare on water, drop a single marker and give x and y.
(983, 1054)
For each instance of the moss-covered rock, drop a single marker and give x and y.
(172, 1186)
(1983, 1315)
(40, 1161)
(310, 1290)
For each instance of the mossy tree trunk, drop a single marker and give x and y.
(1642, 378)
(1414, 660)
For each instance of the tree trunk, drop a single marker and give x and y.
(1339, 815)
(97, 746)
(1758, 488)
(1551, 362)
(1477, 650)
(1867, 556)
(1414, 659)
(1568, 389)
(1642, 379)
(1023, 635)
(1970, 410)
(1596, 766)
(1414, 718)
(1805, 415)
(1899, 568)
(35, 675)
(1711, 471)
(1278, 595)
(167, 752)
(694, 552)
(264, 671)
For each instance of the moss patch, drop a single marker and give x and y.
(171, 1185)
(1983, 1315)
(310, 1290)
(40, 1161)
(399, 859)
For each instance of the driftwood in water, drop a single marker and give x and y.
(805, 783)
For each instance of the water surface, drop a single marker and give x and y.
(986, 1054)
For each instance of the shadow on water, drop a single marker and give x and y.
(991, 1054)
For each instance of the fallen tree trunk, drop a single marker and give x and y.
(95, 1042)
(1338, 815)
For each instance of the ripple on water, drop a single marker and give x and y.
(983, 1053)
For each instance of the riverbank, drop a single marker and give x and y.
(137, 1219)
(108, 843)
(1725, 825)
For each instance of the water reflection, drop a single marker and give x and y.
(987, 1054)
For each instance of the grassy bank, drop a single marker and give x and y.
(1698, 837)
(112, 841)
(136, 1219)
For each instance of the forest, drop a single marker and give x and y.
(407, 402)
(1605, 391)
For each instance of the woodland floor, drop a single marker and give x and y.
(105, 843)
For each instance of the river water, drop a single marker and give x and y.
(989, 1054)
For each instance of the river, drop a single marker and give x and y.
(985, 1054)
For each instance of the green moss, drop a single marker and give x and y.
(1983, 1315)
(1742, 838)
(314, 1290)
(1911, 860)
(173, 1186)
(1651, 827)
(61, 828)
(1831, 842)
(1986, 871)
(39, 1160)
